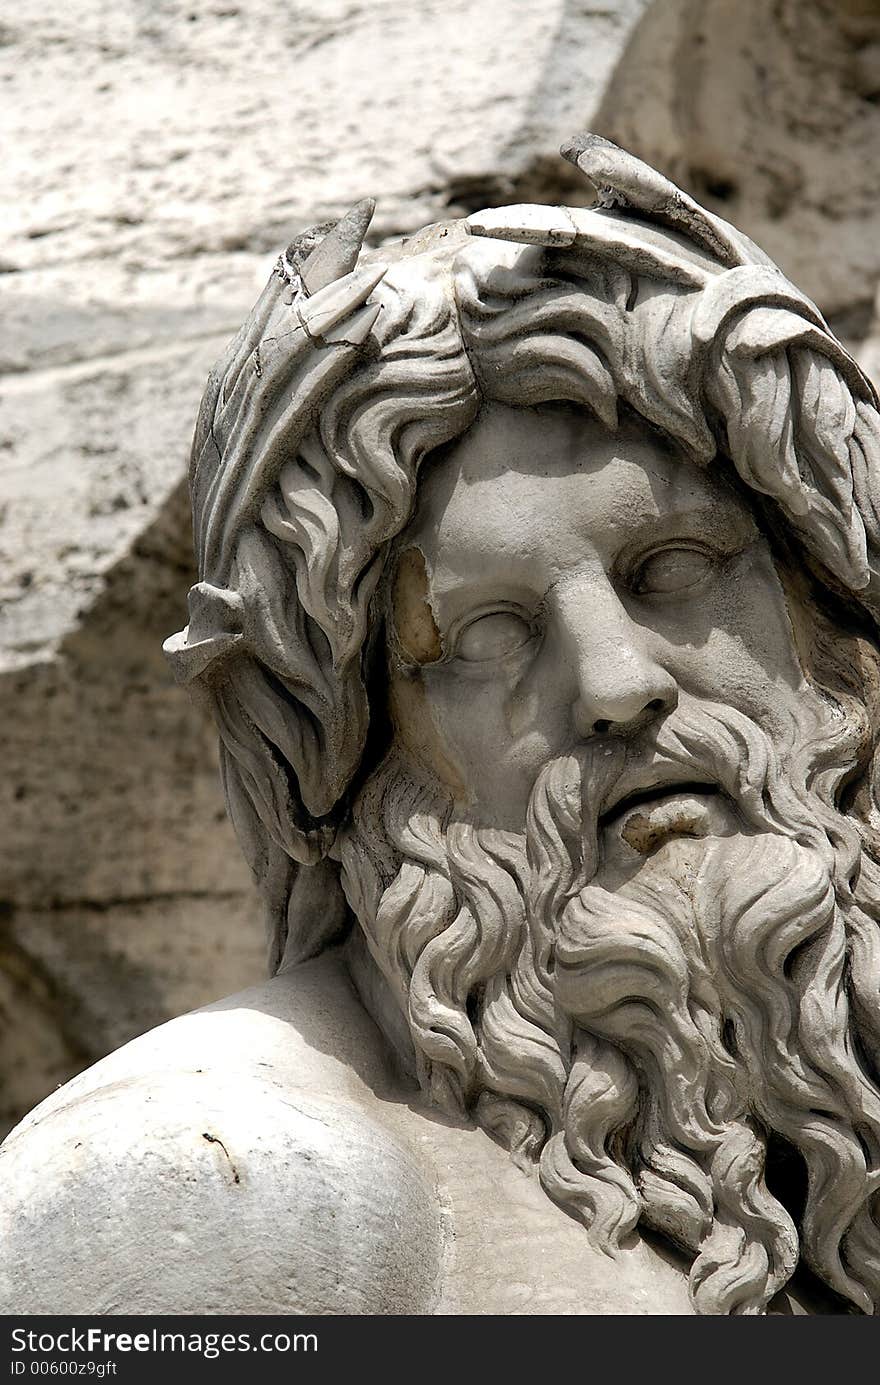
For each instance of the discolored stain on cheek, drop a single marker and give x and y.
(413, 720)
(414, 624)
(418, 644)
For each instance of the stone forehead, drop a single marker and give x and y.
(487, 486)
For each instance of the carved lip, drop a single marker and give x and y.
(668, 781)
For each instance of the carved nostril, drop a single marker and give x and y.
(604, 725)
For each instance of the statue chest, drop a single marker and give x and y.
(509, 1250)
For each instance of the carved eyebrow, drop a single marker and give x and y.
(425, 614)
(701, 521)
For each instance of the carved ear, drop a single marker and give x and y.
(215, 629)
(620, 179)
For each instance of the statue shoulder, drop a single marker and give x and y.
(210, 1186)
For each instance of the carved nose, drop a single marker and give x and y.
(615, 711)
(619, 684)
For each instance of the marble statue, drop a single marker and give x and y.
(539, 564)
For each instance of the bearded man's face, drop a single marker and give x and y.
(602, 865)
(562, 585)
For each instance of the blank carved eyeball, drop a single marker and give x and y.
(492, 636)
(672, 570)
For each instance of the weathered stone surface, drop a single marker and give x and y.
(156, 164)
(868, 349)
(280, 114)
(156, 159)
(770, 115)
(110, 781)
(538, 584)
(302, 1199)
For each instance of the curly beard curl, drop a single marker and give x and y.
(642, 1043)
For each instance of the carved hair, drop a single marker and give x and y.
(301, 477)
(305, 468)
(644, 1044)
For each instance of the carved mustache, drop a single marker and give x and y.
(705, 749)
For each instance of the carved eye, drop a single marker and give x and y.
(492, 636)
(672, 570)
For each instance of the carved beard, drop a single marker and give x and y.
(662, 1017)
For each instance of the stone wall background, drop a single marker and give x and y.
(158, 155)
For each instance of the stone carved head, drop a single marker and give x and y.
(539, 580)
